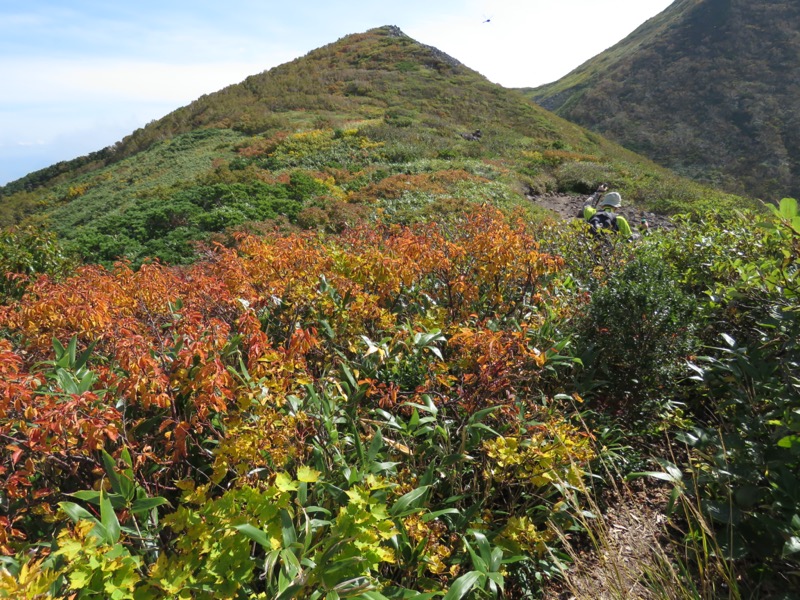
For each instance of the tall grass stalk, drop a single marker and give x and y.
(631, 551)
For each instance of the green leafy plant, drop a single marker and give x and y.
(640, 326)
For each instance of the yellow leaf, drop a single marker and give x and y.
(284, 483)
(307, 474)
(386, 554)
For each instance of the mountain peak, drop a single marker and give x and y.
(353, 125)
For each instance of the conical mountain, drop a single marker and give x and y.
(373, 123)
(709, 88)
(379, 74)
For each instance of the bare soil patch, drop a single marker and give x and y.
(570, 207)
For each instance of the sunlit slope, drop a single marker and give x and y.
(320, 135)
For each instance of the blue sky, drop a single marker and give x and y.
(79, 75)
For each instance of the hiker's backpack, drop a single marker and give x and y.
(603, 220)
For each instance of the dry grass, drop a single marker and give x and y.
(624, 544)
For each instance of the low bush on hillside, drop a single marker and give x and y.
(639, 329)
(25, 254)
(398, 409)
(363, 417)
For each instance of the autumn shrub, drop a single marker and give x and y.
(301, 414)
(313, 217)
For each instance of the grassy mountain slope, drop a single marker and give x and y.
(708, 88)
(344, 118)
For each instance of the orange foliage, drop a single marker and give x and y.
(262, 146)
(395, 186)
(184, 355)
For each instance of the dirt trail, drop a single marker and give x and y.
(568, 207)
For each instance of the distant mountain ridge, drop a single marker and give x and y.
(709, 88)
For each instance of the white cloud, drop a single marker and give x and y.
(65, 81)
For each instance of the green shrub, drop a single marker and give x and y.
(638, 328)
(747, 469)
(582, 177)
(26, 253)
(168, 227)
(746, 445)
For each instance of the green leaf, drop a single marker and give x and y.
(478, 562)
(117, 501)
(87, 496)
(86, 382)
(327, 329)
(110, 466)
(407, 503)
(476, 417)
(496, 560)
(483, 546)
(673, 499)
(673, 471)
(66, 382)
(789, 441)
(291, 564)
(318, 509)
(109, 519)
(270, 563)
(81, 360)
(302, 493)
(438, 513)
(655, 474)
(58, 350)
(290, 592)
(255, 534)
(484, 427)
(376, 445)
(144, 505)
(462, 586)
(71, 348)
(722, 512)
(76, 512)
(788, 208)
(792, 546)
(126, 457)
(349, 379)
(287, 528)
(497, 577)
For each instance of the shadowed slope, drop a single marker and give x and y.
(708, 88)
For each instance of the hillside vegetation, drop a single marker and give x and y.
(366, 118)
(363, 364)
(432, 410)
(707, 88)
